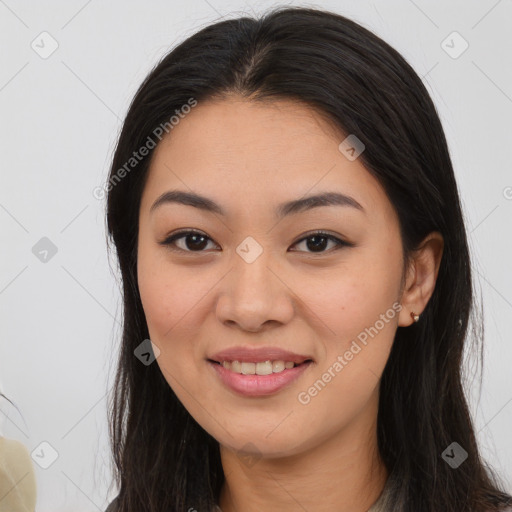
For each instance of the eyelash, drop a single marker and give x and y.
(169, 241)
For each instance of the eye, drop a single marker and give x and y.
(196, 241)
(320, 239)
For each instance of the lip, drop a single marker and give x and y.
(258, 385)
(253, 355)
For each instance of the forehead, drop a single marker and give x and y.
(246, 153)
(246, 130)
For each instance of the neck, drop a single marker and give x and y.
(343, 473)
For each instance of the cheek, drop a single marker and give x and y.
(176, 301)
(169, 307)
(361, 314)
(352, 299)
(168, 295)
(358, 306)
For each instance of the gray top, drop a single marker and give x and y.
(383, 503)
(113, 506)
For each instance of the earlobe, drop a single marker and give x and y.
(421, 278)
(415, 317)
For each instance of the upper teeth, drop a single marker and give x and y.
(260, 368)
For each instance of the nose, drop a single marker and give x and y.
(254, 295)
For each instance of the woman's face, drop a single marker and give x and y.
(257, 277)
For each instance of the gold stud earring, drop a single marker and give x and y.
(414, 316)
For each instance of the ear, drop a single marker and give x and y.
(421, 277)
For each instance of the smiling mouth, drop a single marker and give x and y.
(267, 367)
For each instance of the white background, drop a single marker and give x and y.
(60, 116)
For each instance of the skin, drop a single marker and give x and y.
(249, 157)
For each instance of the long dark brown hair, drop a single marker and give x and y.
(163, 460)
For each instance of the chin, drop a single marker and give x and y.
(259, 444)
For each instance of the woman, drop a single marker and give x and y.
(296, 278)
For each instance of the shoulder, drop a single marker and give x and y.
(17, 476)
(14, 457)
(13, 449)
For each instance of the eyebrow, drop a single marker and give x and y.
(283, 210)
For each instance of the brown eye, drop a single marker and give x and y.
(318, 241)
(193, 241)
